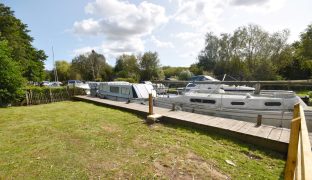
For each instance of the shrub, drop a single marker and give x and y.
(11, 80)
(130, 80)
(185, 75)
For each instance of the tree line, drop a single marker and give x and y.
(251, 53)
(92, 66)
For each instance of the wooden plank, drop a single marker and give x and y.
(245, 128)
(285, 135)
(298, 169)
(275, 133)
(306, 154)
(216, 121)
(237, 126)
(253, 130)
(264, 131)
(227, 124)
(292, 148)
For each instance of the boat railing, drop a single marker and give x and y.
(299, 157)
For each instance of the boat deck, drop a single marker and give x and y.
(271, 137)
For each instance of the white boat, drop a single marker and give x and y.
(275, 107)
(125, 91)
(213, 86)
(226, 88)
(79, 84)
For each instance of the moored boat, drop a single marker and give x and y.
(275, 107)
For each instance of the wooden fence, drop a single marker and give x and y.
(299, 157)
(49, 95)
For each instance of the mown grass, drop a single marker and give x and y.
(76, 140)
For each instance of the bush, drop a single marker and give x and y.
(130, 80)
(11, 80)
(185, 75)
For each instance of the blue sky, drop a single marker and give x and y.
(173, 28)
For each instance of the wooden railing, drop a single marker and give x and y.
(299, 157)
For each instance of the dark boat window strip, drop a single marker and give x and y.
(237, 103)
(272, 103)
(209, 101)
(196, 100)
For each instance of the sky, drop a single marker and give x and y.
(174, 28)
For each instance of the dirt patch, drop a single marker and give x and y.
(191, 166)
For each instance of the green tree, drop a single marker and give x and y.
(63, 70)
(15, 32)
(150, 66)
(107, 73)
(88, 66)
(127, 66)
(11, 80)
(209, 56)
(172, 71)
(196, 70)
(299, 66)
(249, 53)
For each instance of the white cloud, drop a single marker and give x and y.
(201, 14)
(87, 26)
(186, 35)
(264, 6)
(121, 23)
(161, 44)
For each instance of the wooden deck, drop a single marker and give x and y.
(271, 137)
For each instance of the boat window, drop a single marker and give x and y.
(191, 85)
(208, 101)
(114, 89)
(237, 103)
(124, 91)
(272, 103)
(196, 100)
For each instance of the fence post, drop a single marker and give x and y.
(293, 144)
(50, 93)
(150, 104)
(74, 89)
(27, 100)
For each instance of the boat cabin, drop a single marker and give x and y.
(123, 91)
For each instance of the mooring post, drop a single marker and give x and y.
(173, 107)
(257, 88)
(150, 104)
(74, 89)
(259, 120)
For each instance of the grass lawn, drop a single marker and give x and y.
(77, 140)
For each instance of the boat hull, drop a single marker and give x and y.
(269, 117)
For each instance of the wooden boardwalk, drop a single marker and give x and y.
(271, 137)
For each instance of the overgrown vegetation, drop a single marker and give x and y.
(76, 140)
(251, 53)
(16, 33)
(11, 80)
